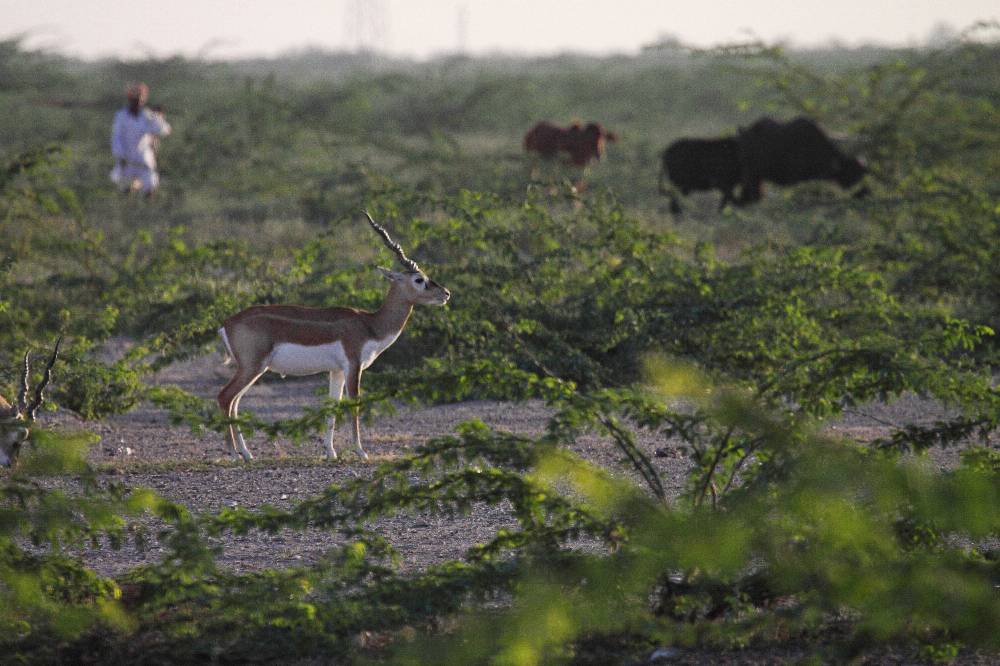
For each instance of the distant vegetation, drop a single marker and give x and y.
(577, 289)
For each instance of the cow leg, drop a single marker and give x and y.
(750, 192)
(727, 198)
(675, 205)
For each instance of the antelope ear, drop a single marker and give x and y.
(389, 275)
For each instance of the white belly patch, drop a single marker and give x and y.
(288, 358)
(291, 359)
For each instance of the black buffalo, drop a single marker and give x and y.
(701, 164)
(792, 152)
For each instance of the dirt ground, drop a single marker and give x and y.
(142, 449)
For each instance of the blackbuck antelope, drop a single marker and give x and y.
(16, 420)
(300, 340)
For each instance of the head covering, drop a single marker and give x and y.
(137, 90)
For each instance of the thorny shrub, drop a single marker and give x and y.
(572, 299)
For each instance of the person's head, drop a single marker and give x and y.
(136, 93)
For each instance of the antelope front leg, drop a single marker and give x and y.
(336, 393)
(353, 391)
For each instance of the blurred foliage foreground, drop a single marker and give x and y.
(822, 543)
(782, 534)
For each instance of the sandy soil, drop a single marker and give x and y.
(142, 449)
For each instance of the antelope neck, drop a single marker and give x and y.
(392, 315)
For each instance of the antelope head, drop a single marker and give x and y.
(16, 420)
(417, 287)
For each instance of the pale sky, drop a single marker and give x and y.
(422, 28)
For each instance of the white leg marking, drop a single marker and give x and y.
(336, 392)
(357, 418)
(240, 442)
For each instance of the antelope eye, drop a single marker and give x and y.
(419, 280)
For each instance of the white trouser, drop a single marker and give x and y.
(125, 178)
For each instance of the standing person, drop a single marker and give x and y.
(133, 140)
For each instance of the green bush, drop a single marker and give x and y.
(730, 335)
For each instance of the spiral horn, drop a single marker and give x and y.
(36, 403)
(392, 245)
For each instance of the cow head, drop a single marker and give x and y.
(16, 420)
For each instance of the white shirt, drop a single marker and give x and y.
(132, 136)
